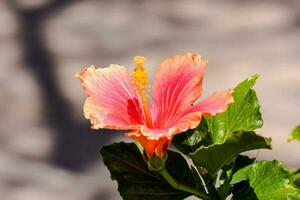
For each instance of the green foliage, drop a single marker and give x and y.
(242, 115)
(240, 190)
(215, 156)
(296, 178)
(295, 135)
(241, 162)
(191, 140)
(269, 180)
(136, 182)
(243, 191)
(197, 180)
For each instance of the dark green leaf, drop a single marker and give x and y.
(241, 162)
(296, 178)
(242, 115)
(237, 163)
(191, 140)
(243, 191)
(136, 181)
(295, 135)
(226, 188)
(197, 180)
(215, 156)
(269, 179)
(177, 166)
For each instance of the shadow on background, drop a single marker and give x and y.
(75, 145)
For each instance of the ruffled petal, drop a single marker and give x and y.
(214, 104)
(177, 85)
(150, 144)
(112, 101)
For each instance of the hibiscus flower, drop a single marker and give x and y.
(119, 101)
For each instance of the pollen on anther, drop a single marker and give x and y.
(140, 75)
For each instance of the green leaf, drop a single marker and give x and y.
(225, 187)
(296, 178)
(269, 179)
(242, 115)
(197, 180)
(191, 140)
(244, 191)
(294, 197)
(295, 135)
(241, 162)
(215, 156)
(136, 182)
(177, 166)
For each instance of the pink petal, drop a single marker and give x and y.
(191, 117)
(112, 102)
(216, 103)
(177, 84)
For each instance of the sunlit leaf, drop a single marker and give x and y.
(242, 115)
(295, 135)
(215, 156)
(269, 180)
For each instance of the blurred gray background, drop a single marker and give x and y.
(47, 150)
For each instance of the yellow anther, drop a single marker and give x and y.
(140, 75)
(139, 61)
(140, 81)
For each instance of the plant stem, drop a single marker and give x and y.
(210, 185)
(175, 184)
(213, 194)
